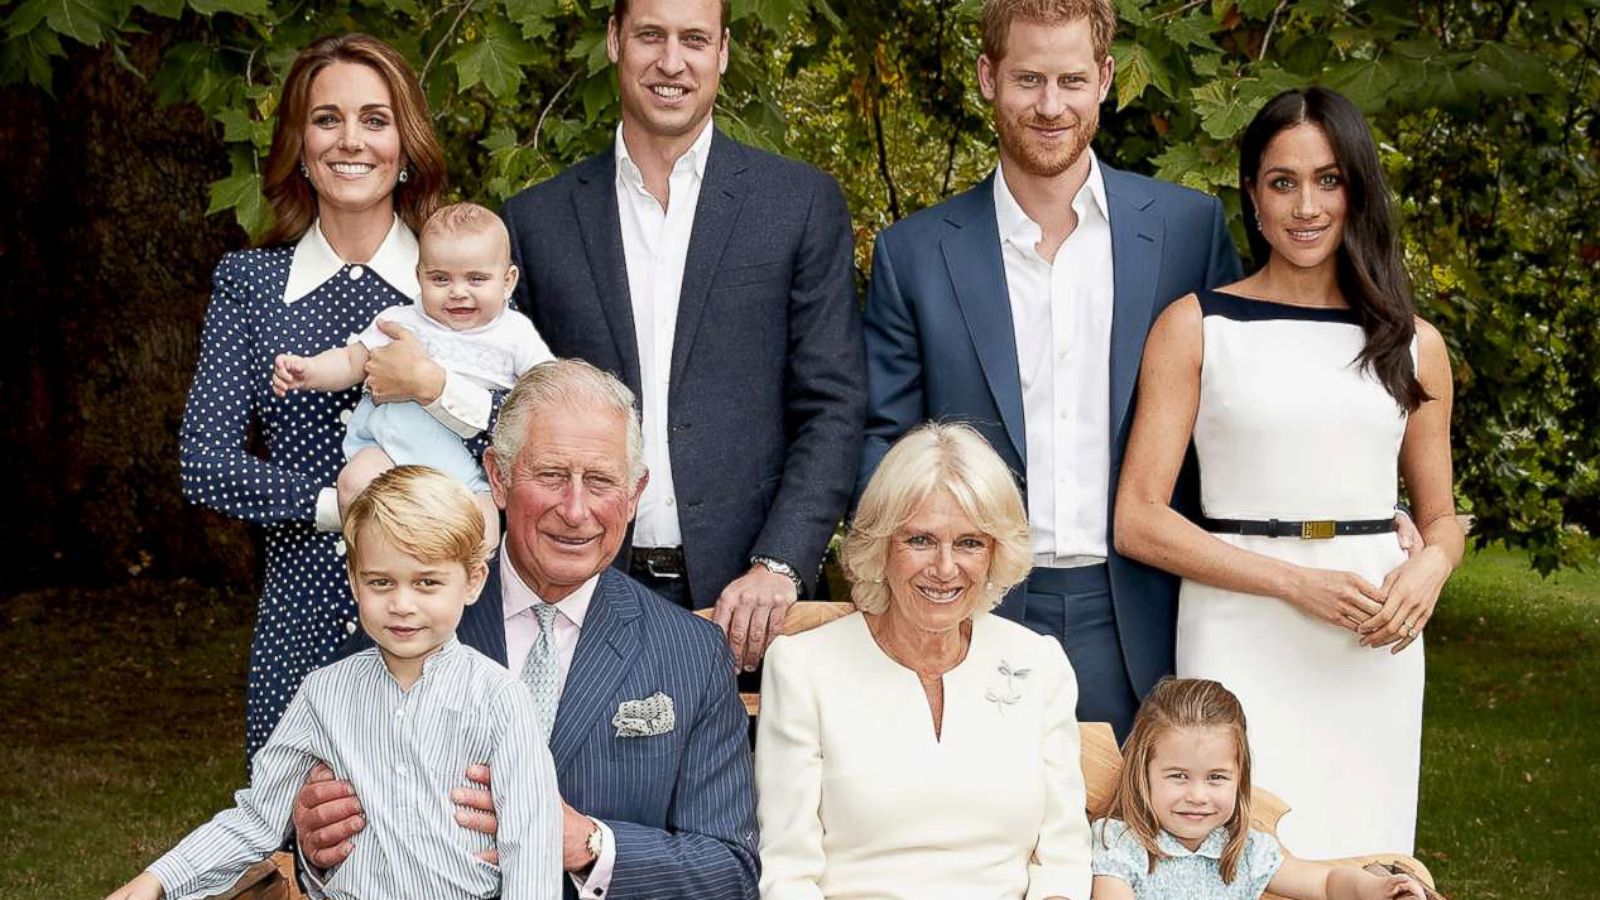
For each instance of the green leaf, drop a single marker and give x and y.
(236, 124)
(1188, 164)
(240, 192)
(1363, 81)
(85, 21)
(236, 7)
(28, 59)
(168, 9)
(534, 17)
(1137, 69)
(1132, 12)
(1223, 111)
(597, 95)
(496, 60)
(1192, 31)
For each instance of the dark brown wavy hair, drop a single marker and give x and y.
(1181, 703)
(294, 203)
(1372, 275)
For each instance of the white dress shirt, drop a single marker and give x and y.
(655, 245)
(1061, 311)
(522, 632)
(462, 407)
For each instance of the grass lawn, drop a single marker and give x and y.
(121, 715)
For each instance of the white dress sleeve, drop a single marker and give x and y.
(1061, 861)
(789, 779)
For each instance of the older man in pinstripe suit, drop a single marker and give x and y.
(648, 733)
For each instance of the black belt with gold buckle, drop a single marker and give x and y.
(657, 562)
(1319, 530)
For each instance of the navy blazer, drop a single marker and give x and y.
(940, 345)
(682, 804)
(768, 381)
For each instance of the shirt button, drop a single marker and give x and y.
(344, 416)
(671, 502)
(356, 272)
(349, 628)
(399, 712)
(339, 549)
(400, 770)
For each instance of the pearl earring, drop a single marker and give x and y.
(304, 172)
(405, 175)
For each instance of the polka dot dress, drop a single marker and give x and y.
(306, 611)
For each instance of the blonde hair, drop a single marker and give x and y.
(1181, 703)
(577, 385)
(995, 20)
(293, 202)
(465, 218)
(937, 456)
(424, 513)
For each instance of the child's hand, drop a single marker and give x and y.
(143, 887)
(1390, 887)
(288, 373)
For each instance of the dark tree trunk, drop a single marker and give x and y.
(107, 255)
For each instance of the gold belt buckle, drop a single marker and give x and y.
(1316, 531)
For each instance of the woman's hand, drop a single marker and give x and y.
(1412, 590)
(402, 370)
(1344, 599)
(143, 887)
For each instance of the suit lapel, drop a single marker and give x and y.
(1136, 244)
(606, 649)
(483, 624)
(714, 216)
(595, 202)
(978, 274)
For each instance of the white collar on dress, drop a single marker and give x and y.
(695, 156)
(1017, 228)
(516, 597)
(1211, 847)
(315, 262)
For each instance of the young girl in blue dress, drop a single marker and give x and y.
(1178, 825)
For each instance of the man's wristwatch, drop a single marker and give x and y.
(597, 839)
(778, 566)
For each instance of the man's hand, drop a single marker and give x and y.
(1406, 532)
(326, 815)
(751, 611)
(476, 812)
(575, 830)
(143, 887)
(402, 370)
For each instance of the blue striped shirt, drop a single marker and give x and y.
(402, 751)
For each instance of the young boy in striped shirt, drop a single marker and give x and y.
(401, 721)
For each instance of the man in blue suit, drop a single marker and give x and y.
(717, 281)
(646, 729)
(1021, 306)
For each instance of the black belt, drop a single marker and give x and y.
(657, 562)
(1305, 531)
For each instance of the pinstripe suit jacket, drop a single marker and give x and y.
(681, 804)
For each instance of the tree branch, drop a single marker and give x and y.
(544, 113)
(422, 77)
(1266, 39)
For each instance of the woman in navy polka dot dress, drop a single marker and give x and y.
(354, 162)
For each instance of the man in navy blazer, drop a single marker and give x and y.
(669, 812)
(716, 281)
(1021, 306)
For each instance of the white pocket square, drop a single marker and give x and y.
(642, 718)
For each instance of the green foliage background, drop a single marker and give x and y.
(1486, 113)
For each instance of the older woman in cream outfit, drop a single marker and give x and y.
(921, 747)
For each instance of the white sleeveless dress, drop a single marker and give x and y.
(1290, 428)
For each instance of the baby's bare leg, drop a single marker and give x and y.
(491, 521)
(366, 465)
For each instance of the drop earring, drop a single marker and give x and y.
(405, 175)
(305, 172)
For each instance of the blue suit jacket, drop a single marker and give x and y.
(681, 805)
(940, 345)
(767, 383)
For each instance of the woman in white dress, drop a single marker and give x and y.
(921, 747)
(1305, 387)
